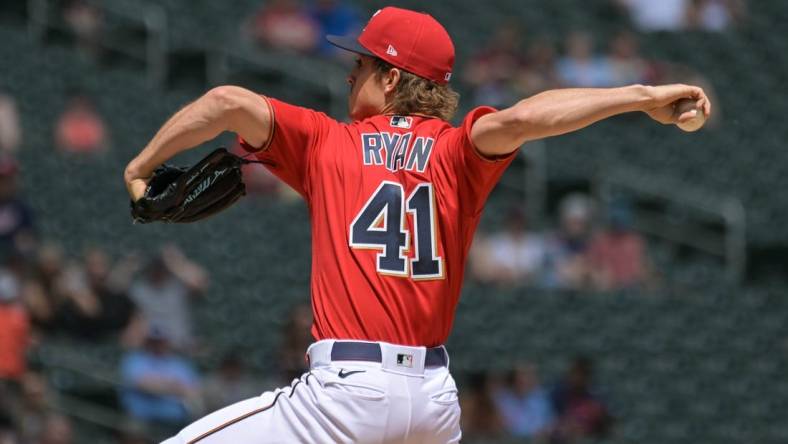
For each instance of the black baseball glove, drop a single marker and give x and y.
(179, 194)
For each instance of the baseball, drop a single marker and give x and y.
(694, 123)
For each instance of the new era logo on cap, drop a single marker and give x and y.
(391, 51)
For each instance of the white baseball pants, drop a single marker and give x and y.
(395, 400)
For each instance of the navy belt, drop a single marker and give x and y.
(370, 351)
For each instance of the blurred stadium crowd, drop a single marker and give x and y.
(143, 304)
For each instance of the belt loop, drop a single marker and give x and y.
(404, 360)
(319, 353)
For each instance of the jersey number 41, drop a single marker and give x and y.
(381, 225)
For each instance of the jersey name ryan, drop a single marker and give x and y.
(397, 150)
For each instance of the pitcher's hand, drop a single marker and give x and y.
(663, 99)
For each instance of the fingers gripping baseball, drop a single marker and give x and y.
(678, 104)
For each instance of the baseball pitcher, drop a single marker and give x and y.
(394, 198)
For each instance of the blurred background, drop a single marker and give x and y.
(627, 283)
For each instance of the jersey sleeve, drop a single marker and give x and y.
(473, 174)
(296, 135)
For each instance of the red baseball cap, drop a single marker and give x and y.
(410, 40)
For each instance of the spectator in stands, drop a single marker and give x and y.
(566, 264)
(480, 417)
(626, 64)
(57, 430)
(160, 386)
(80, 128)
(525, 405)
(334, 17)
(17, 234)
(617, 255)
(38, 293)
(85, 21)
(10, 128)
(14, 329)
(164, 291)
(539, 72)
(491, 70)
(581, 66)
(74, 301)
(49, 264)
(285, 24)
(514, 256)
(662, 15)
(94, 296)
(714, 15)
(229, 384)
(581, 412)
(297, 336)
(111, 282)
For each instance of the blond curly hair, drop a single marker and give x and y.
(417, 95)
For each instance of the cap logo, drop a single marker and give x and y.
(391, 51)
(447, 77)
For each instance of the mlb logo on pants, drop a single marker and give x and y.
(404, 360)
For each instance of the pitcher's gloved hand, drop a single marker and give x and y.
(180, 194)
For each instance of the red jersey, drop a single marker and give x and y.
(394, 202)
